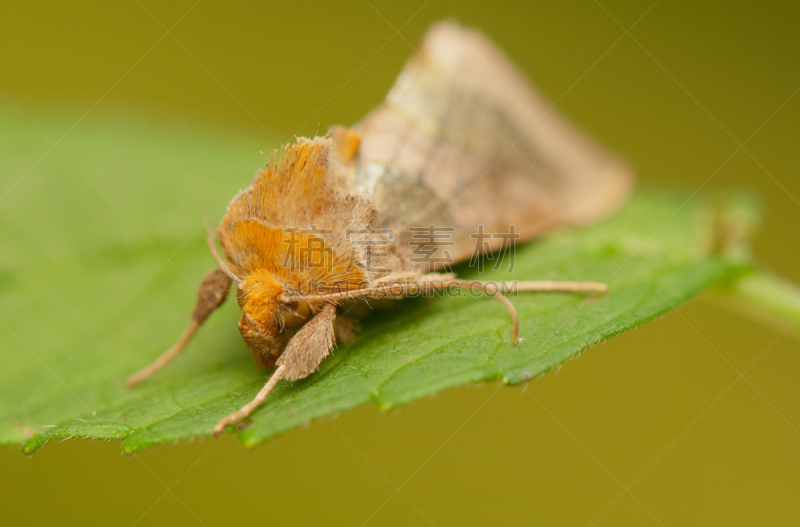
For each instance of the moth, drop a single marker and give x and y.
(462, 141)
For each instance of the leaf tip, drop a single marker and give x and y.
(33, 444)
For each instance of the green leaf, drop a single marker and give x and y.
(103, 246)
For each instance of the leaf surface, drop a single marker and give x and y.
(103, 246)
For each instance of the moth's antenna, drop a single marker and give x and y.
(217, 257)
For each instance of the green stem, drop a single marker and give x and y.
(767, 297)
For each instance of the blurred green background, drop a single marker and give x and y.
(657, 427)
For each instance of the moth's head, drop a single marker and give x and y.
(268, 314)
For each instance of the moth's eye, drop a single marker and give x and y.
(296, 313)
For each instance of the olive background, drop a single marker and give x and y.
(657, 427)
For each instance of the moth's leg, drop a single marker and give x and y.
(496, 290)
(413, 277)
(210, 295)
(563, 287)
(437, 277)
(345, 329)
(429, 282)
(247, 409)
(527, 286)
(301, 357)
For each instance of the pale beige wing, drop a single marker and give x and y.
(464, 140)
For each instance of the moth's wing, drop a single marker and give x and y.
(464, 140)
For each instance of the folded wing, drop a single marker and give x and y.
(464, 140)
